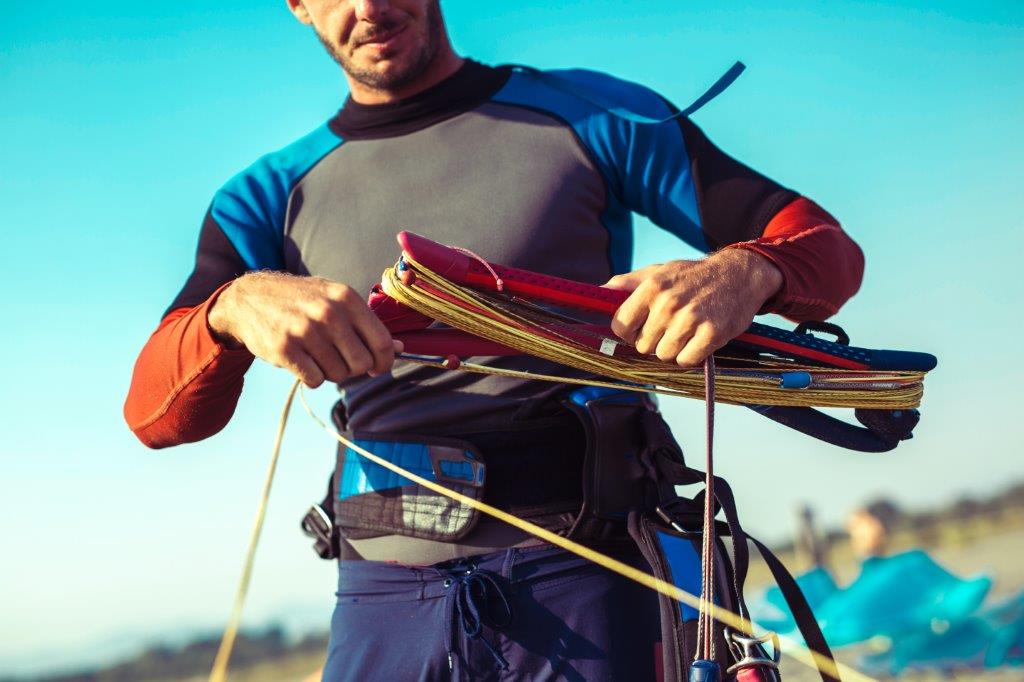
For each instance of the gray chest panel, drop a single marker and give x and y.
(511, 184)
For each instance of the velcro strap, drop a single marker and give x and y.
(372, 500)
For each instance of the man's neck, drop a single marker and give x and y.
(441, 68)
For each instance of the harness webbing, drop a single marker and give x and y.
(792, 648)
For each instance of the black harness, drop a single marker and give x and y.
(631, 465)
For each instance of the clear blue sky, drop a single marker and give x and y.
(120, 120)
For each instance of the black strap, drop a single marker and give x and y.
(741, 553)
(882, 431)
(805, 620)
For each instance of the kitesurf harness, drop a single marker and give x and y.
(631, 466)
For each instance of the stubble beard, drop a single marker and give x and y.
(414, 66)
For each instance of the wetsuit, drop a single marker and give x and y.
(499, 161)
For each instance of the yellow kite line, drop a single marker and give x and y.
(734, 620)
(479, 314)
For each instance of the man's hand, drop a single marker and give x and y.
(685, 310)
(316, 329)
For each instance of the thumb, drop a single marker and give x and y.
(628, 281)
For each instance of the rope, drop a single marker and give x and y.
(705, 621)
(219, 672)
(787, 645)
(734, 620)
(536, 332)
(532, 331)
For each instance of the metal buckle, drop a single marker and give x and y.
(317, 525)
(750, 652)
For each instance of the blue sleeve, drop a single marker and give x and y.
(250, 208)
(669, 171)
(647, 164)
(244, 227)
(666, 170)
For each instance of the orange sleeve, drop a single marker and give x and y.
(822, 267)
(186, 384)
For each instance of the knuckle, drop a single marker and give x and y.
(320, 310)
(714, 334)
(284, 347)
(686, 318)
(381, 347)
(342, 293)
(650, 286)
(300, 329)
(667, 303)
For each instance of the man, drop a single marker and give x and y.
(527, 170)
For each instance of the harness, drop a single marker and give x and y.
(629, 468)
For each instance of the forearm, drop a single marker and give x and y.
(743, 209)
(821, 265)
(185, 384)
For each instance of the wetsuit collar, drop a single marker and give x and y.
(467, 88)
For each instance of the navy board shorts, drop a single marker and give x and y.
(528, 613)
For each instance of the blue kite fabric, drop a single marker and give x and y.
(922, 616)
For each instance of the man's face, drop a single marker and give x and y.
(382, 45)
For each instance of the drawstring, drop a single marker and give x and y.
(498, 281)
(473, 593)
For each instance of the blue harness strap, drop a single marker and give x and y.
(445, 465)
(599, 100)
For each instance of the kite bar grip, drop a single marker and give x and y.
(461, 268)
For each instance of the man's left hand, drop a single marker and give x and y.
(686, 310)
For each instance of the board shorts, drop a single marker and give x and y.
(527, 613)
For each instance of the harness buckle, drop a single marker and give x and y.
(749, 652)
(317, 524)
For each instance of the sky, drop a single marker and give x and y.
(119, 120)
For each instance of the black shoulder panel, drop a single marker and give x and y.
(735, 201)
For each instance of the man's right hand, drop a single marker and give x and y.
(316, 329)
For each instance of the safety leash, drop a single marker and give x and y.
(705, 668)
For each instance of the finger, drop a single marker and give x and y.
(376, 340)
(352, 348)
(303, 367)
(372, 349)
(704, 342)
(652, 333)
(666, 313)
(630, 317)
(631, 280)
(330, 360)
(627, 281)
(675, 338)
